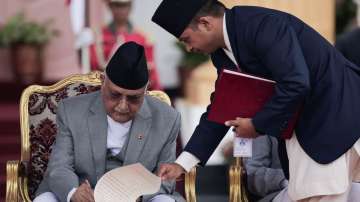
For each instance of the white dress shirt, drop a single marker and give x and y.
(116, 135)
(228, 50)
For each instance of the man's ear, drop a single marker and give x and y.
(206, 22)
(102, 78)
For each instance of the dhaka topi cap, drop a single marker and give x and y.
(127, 68)
(175, 15)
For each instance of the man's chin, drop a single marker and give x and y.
(207, 52)
(121, 118)
(204, 53)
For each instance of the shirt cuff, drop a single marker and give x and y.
(70, 194)
(187, 161)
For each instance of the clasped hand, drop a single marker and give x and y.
(243, 127)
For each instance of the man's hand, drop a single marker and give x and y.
(243, 127)
(170, 171)
(84, 193)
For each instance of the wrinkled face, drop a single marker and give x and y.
(120, 11)
(121, 104)
(199, 38)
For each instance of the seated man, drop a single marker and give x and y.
(265, 176)
(117, 126)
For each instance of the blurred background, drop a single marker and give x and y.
(43, 41)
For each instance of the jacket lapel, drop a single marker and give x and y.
(97, 124)
(219, 57)
(221, 60)
(230, 26)
(139, 133)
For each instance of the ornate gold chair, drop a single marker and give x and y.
(237, 175)
(38, 130)
(237, 183)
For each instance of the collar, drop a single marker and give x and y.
(228, 51)
(226, 35)
(117, 133)
(112, 122)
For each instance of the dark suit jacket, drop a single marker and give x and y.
(307, 69)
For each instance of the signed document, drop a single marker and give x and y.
(126, 184)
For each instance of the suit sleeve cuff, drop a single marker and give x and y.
(187, 161)
(70, 194)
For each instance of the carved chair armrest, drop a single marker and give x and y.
(190, 180)
(237, 182)
(16, 181)
(12, 185)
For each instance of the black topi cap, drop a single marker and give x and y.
(127, 68)
(175, 15)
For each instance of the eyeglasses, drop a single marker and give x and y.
(133, 99)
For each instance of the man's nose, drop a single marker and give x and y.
(122, 105)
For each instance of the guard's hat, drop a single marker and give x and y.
(127, 68)
(175, 15)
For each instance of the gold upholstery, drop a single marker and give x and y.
(38, 106)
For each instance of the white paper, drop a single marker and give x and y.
(242, 147)
(126, 184)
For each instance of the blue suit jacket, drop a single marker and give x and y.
(308, 70)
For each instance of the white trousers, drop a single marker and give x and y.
(311, 180)
(50, 197)
(353, 195)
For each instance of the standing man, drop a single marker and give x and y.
(119, 31)
(308, 71)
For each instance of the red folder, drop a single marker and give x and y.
(242, 95)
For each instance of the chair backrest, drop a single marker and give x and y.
(38, 108)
